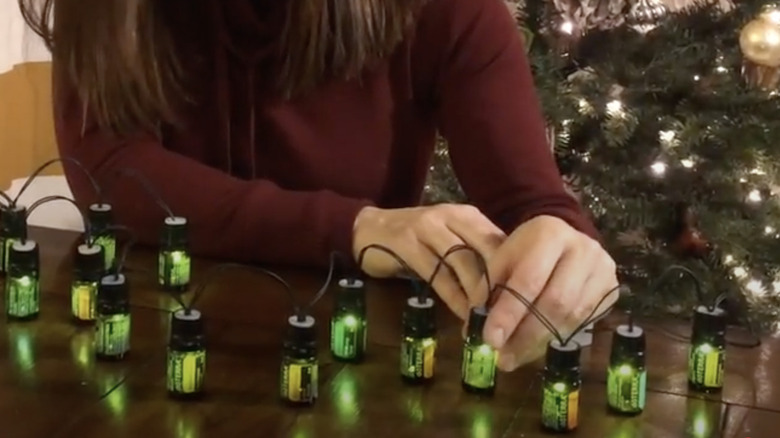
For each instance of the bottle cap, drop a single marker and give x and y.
(709, 323)
(89, 262)
(477, 318)
(351, 295)
(175, 232)
(419, 319)
(187, 323)
(301, 331)
(563, 356)
(113, 289)
(13, 222)
(100, 217)
(628, 343)
(23, 257)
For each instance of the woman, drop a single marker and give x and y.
(285, 130)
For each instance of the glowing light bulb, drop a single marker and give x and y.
(708, 349)
(687, 163)
(755, 287)
(567, 27)
(615, 107)
(658, 168)
(769, 230)
(696, 77)
(729, 259)
(666, 136)
(757, 171)
(754, 196)
(739, 272)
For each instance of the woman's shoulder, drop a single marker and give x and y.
(462, 13)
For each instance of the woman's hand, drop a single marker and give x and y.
(420, 236)
(562, 271)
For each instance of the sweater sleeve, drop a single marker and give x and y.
(245, 221)
(488, 111)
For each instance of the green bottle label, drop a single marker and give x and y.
(348, 336)
(479, 366)
(418, 358)
(108, 243)
(705, 366)
(560, 407)
(82, 300)
(186, 371)
(22, 296)
(299, 380)
(626, 388)
(112, 337)
(174, 268)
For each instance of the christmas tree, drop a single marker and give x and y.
(666, 125)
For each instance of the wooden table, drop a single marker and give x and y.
(51, 385)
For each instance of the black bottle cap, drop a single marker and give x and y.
(419, 318)
(187, 323)
(23, 257)
(89, 262)
(100, 217)
(301, 330)
(13, 222)
(175, 232)
(477, 319)
(561, 356)
(113, 289)
(709, 322)
(628, 343)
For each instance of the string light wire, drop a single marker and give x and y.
(42, 167)
(89, 238)
(147, 186)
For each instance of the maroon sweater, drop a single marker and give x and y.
(267, 180)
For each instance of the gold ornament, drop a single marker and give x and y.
(760, 42)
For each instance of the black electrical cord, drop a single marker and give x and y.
(89, 238)
(147, 186)
(8, 201)
(388, 251)
(300, 311)
(43, 167)
(442, 262)
(756, 340)
(119, 262)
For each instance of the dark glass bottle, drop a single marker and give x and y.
(418, 344)
(88, 270)
(112, 332)
(186, 355)
(101, 220)
(299, 381)
(174, 261)
(561, 387)
(626, 374)
(478, 371)
(13, 228)
(348, 326)
(707, 355)
(22, 281)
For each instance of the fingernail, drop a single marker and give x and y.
(496, 338)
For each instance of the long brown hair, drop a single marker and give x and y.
(120, 57)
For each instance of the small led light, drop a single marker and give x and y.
(659, 168)
(615, 107)
(478, 371)
(186, 355)
(348, 325)
(174, 259)
(561, 387)
(687, 163)
(112, 312)
(708, 350)
(22, 286)
(101, 220)
(567, 27)
(626, 375)
(666, 136)
(13, 227)
(754, 196)
(89, 268)
(300, 367)
(418, 346)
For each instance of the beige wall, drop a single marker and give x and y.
(26, 128)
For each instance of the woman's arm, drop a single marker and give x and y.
(249, 221)
(489, 112)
